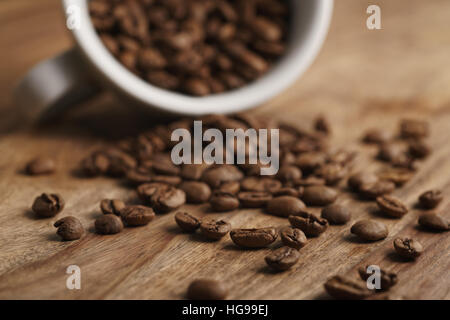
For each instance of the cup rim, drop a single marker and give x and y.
(281, 76)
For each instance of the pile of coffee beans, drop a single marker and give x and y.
(311, 174)
(197, 47)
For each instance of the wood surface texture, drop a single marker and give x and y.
(361, 79)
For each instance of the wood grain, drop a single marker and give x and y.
(361, 79)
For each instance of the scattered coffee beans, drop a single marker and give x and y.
(293, 237)
(223, 201)
(282, 258)
(285, 206)
(48, 205)
(433, 222)
(214, 229)
(187, 222)
(387, 279)
(391, 206)
(40, 166)
(408, 248)
(254, 238)
(196, 192)
(69, 228)
(137, 215)
(311, 225)
(108, 224)
(337, 214)
(370, 230)
(430, 199)
(207, 289)
(112, 206)
(319, 195)
(341, 287)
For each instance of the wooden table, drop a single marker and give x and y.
(361, 79)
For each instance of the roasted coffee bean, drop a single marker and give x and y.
(289, 173)
(376, 136)
(69, 228)
(260, 184)
(311, 225)
(282, 258)
(232, 187)
(321, 124)
(357, 180)
(193, 171)
(254, 238)
(390, 152)
(289, 192)
(108, 224)
(218, 175)
(387, 279)
(399, 176)
(376, 189)
(419, 149)
(414, 128)
(370, 230)
(319, 195)
(48, 205)
(391, 206)
(95, 164)
(119, 162)
(408, 248)
(293, 237)
(172, 180)
(332, 173)
(207, 289)
(430, 199)
(285, 206)
(112, 206)
(137, 215)
(310, 161)
(186, 221)
(40, 166)
(254, 199)
(337, 214)
(214, 229)
(222, 202)
(162, 197)
(341, 287)
(434, 222)
(310, 181)
(196, 192)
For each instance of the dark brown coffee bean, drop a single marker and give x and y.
(260, 184)
(40, 166)
(112, 206)
(346, 288)
(357, 180)
(310, 181)
(222, 202)
(430, 199)
(48, 205)
(419, 149)
(408, 248)
(414, 128)
(196, 192)
(332, 173)
(370, 230)
(321, 124)
(163, 79)
(232, 187)
(337, 214)
(319, 195)
(254, 238)
(283, 258)
(310, 161)
(95, 164)
(207, 289)
(433, 222)
(108, 224)
(289, 173)
(293, 237)
(311, 225)
(214, 229)
(399, 176)
(162, 197)
(390, 152)
(171, 180)
(69, 228)
(254, 199)
(387, 279)
(285, 206)
(289, 192)
(376, 189)
(193, 171)
(377, 136)
(186, 221)
(119, 162)
(391, 206)
(137, 215)
(218, 175)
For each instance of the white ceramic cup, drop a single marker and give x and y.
(74, 76)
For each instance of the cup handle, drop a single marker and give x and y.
(54, 85)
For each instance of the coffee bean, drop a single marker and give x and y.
(310, 161)
(207, 289)
(69, 228)
(289, 192)
(341, 287)
(293, 237)
(433, 222)
(331, 172)
(40, 166)
(196, 192)
(222, 202)
(282, 258)
(108, 224)
(387, 279)
(311, 225)
(95, 164)
(408, 248)
(285, 206)
(193, 171)
(319, 195)
(357, 180)
(321, 124)
(215, 229)
(186, 221)
(112, 206)
(391, 206)
(48, 205)
(376, 189)
(310, 181)
(370, 230)
(254, 199)
(376, 136)
(232, 187)
(419, 149)
(289, 173)
(254, 238)
(390, 152)
(162, 197)
(337, 214)
(218, 175)
(260, 184)
(399, 176)
(137, 215)
(430, 199)
(414, 128)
